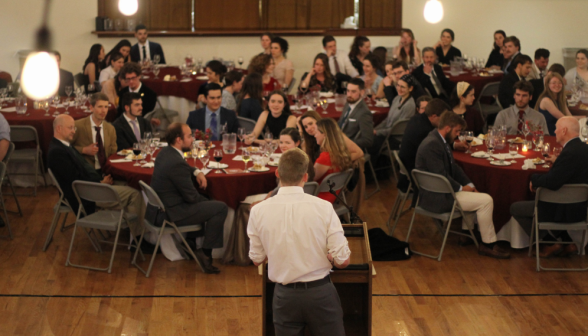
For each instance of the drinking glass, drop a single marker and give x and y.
(325, 105)
(194, 151)
(144, 148)
(246, 155)
(513, 150)
(156, 70)
(152, 148)
(584, 132)
(537, 141)
(268, 136)
(45, 105)
(156, 60)
(490, 146)
(148, 136)
(545, 151)
(91, 88)
(469, 136)
(68, 90)
(241, 135)
(218, 156)
(223, 129)
(21, 105)
(240, 60)
(204, 157)
(9, 89)
(137, 151)
(526, 130)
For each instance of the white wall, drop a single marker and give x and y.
(551, 24)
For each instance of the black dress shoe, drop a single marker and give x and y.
(205, 262)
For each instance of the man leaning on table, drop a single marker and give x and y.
(213, 116)
(95, 138)
(516, 115)
(570, 167)
(435, 156)
(131, 126)
(301, 237)
(173, 182)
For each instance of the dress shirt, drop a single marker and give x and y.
(129, 120)
(92, 126)
(296, 231)
(208, 116)
(345, 116)
(510, 118)
(451, 158)
(147, 51)
(434, 82)
(345, 66)
(107, 74)
(509, 61)
(137, 91)
(4, 128)
(65, 143)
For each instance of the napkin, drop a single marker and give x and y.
(528, 164)
(507, 156)
(162, 144)
(148, 165)
(381, 103)
(9, 109)
(238, 158)
(120, 160)
(477, 142)
(326, 94)
(186, 80)
(304, 107)
(331, 100)
(480, 154)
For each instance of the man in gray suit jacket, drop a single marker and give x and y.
(356, 121)
(173, 182)
(435, 156)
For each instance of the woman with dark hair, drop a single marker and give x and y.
(320, 75)
(381, 54)
(274, 119)
(577, 78)
(284, 69)
(215, 71)
(462, 101)
(264, 65)
(444, 50)
(370, 76)
(360, 48)
(249, 101)
(92, 64)
(116, 63)
(266, 41)
(123, 47)
(496, 59)
(407, 50)
(112, 86)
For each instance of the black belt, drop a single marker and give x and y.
(310, 284)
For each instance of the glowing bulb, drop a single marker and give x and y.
(433, 11)
(40, 76)
(128, 7)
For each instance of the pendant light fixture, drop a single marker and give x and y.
(433, 11)
(128, 7)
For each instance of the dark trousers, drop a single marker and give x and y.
(214, 214)
(317, 308)
(523, 213)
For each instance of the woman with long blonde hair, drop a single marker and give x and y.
(552, 102)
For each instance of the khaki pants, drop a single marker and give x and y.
(483, 205)
(132, 201)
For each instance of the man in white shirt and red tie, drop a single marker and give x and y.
(301, 237)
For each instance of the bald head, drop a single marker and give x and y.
(64, 128)
(566, 129)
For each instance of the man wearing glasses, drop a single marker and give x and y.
(399, 69)
(131, 72)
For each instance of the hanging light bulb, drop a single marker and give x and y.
(433, 11)
(40, 76)
(128, 7)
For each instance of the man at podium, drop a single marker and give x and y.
(301, 237)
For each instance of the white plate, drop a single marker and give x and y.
(538, 162)
(125, 152)
(481, 156)
(217, 165)
(273, 163)
(259, 170)
(202, 77)
(498, 163)
(133, 157)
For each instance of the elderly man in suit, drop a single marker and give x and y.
(432, 77)
(95, 137)
(69, 165)
(131, 126)
(435, 156)
(521, 66)
(357, 122)
(143, 49)
(213, 116)
(173, 182)
(570, 167)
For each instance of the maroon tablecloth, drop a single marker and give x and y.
(506, 185)
(579, 109)
(228, 188)
(477, 81)
(378, 113)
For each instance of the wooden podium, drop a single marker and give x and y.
(354, 286)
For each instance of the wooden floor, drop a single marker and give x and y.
(464, 294)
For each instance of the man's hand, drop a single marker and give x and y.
(468, 188)
(201, 179)
(107, 180)
(91, 149)
(427, 68)
(460, 146)
(155, 122)
(551, 159)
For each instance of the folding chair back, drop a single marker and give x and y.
(567, 194)
(95, 192)
(247, 124)
(340, 180)
(397, 130)
(62, 206)
(432, 182)
(61, 194)
(401, 166)
(8, 153)
(311, 188)
(23, 133)
(152, 197)
(292, 85)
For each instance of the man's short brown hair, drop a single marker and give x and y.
(436, 107)
(524, 86)
(451, 119)
(130, 67)
(292, 167)
(96, 97)
(174, 131)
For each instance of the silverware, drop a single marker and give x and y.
(224, 171)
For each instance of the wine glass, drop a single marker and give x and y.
(194, 152)
(545, 150)
(152, 148)
(240, 60)
(526, 130)
(223, 129)
(156, 60)
(218, 156)
(45, 105)
(268, 136)
(144, 148)
(156, 71)
(469, 136)
(136, 152)
(537, 141)
(246, 156)
(204, 157)
(91, 88)
(513, 150)
(490, 145)
(241, 135)
(325, 105)
(556, 151)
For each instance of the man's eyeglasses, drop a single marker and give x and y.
(131, 78)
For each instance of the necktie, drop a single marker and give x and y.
(343, 120)
(144, 53)
(136, 130)
(450, 154)
(213, 127)
(101, 154)
(337, 70)
(438, 83)
(521, 120)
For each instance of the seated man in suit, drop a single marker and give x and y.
(173, 182)
(213, 115)
(131, 126)
(539, 69)
(521, 68)
(131, 72)
(68, 165)
(435, 156)
(143, 49)
(95, 137)
(513, 117)
(357, 122)
(570, 167)
(66, 78)
(399, 69)
(432, 77)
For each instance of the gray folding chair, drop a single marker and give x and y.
(34, 155)
(368, 160)
(489, 90)
(61, 207)
(311, 188)
(154, 200)
(438, 184)
(7, 176)
(396, 132)
(398, 208)
(108, 220)
(6, 221)
(569, 193)
(166, 116)
(340, 180)
(247, 124)
(292, 85)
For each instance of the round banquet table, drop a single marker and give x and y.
(228, 188)
(44, 124)
(378, 113)
(506, 184)
(477, 81)
(579, 109)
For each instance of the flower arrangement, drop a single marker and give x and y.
(204, 136)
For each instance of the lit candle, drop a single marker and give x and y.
(524, 148)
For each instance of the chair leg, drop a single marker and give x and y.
(114, 246)
(375, 180)
(410, 226)
(134, 238)
(36, 174)
(187, 246)
(63, 226)
(42, 168)
(392, 214)
(537, 242)
(9, 181)
(51, 230)
(400, 211)
(446, 234)
(532, 235)
(73, 236)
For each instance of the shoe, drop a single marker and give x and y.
(2, 224)
(570, 249)
(495, 252)
(550, 251)
(205, 262)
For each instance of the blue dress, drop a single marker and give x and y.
(549, 119)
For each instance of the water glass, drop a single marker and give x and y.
(340, 101)
(21, 105)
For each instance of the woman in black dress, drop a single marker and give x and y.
(444, 50)
(496, 59)
(273, 120)
(249, 100)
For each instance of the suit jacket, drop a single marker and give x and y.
(83, 138)
(65, 78)
(154, 49)
(360, 120)
(417, 129)
(433, 157)
(197, 120)
(506, 89)
(173, 181)
(68, 165)
(148, 96)
(571, 167)
(125, 137)
(425, 81)
(538, 87)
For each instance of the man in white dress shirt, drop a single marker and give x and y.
(301, 237)
(338, 60)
